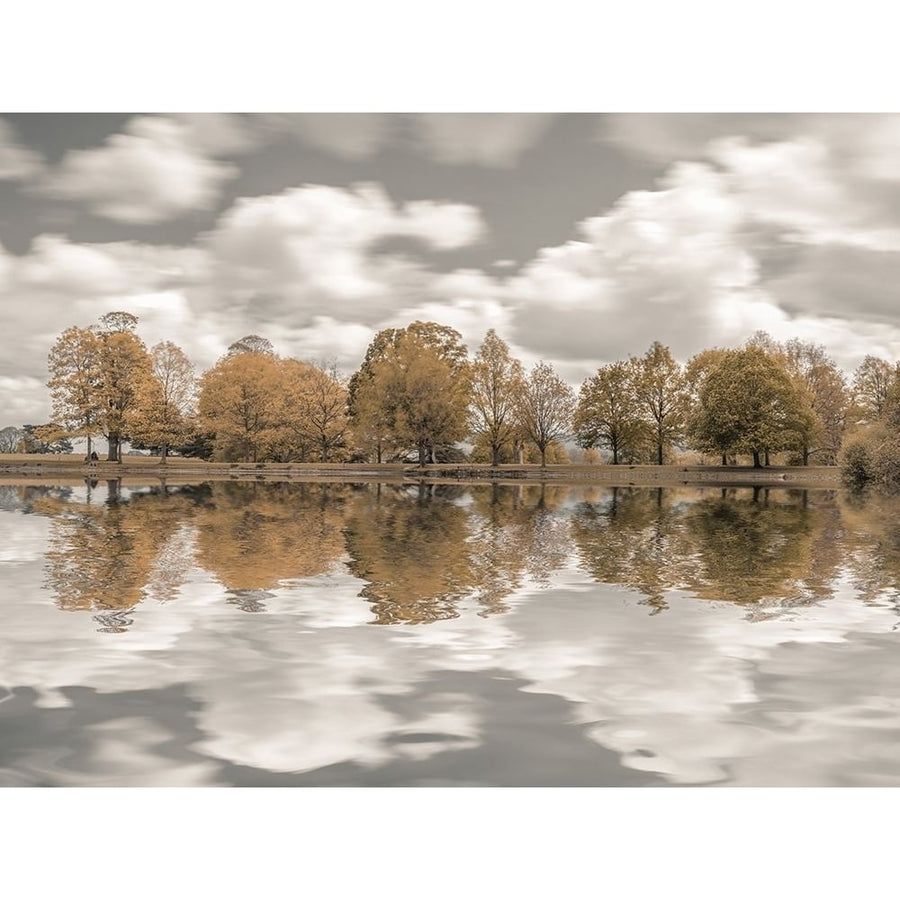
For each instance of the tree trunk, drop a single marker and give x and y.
(543, 456)
(806, 456)
(659, 454)
(378, 453)
(115, 449)
(495, 455)
(724, 459)
(422, 451)
(767, 458)
(164, 454)
(615, 450)
(757, 464)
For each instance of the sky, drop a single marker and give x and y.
(580, 238)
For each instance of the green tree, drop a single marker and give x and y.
(607, 414)
(545, 407)
(496, 380)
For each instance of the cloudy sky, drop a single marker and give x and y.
(580, 238)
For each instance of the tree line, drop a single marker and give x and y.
(418, 395)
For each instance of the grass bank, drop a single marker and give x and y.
(132, 467)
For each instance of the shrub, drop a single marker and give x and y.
(856, 461)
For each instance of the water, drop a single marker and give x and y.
(247, 633)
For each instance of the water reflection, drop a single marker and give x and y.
(421, 552)
(221, 634)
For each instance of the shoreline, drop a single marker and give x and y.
(137, 468)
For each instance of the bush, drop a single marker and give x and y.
(856, 461)
(872, 456)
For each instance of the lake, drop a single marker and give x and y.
(277, 634)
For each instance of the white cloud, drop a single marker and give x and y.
(310, 250)
(16, 160)
(485, 139)
(149, 173)
(659, 266)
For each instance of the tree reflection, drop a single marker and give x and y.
(253, 535)
(101, 555)
(755, 548)
(872, 541)
(635, 537)
(749, 546)
(519, 531)
(410, 544)
(424, 550)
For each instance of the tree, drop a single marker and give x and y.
(124, 364)
(545, 406)
(241, 402)
(872, 381)
(162, 414)
(748, 404)
(412, 388)
(822, 384)
(696, 372)
(608, 413)
(49, 438)
(660, 390)
(10, 439)
(75, 377)
(315, 408)
(251, 343)
(496, 380)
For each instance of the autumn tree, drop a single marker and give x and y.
(124, 366)
(251, 343)
(315, 412)
(412, 388)
(607, 414)
(823, 387)
(545, 406)
(161, 417)
(75, 378)
(495, 382)
(660, 391)
(748, 404)
(240, 403)
(872, 381)
(696, 371)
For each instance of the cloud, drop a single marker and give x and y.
(310, 250)
(153, 171)
(351, 136)
(486, 139)
(220, 134)
(17, 162)
(666, 264)
(775, 236)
